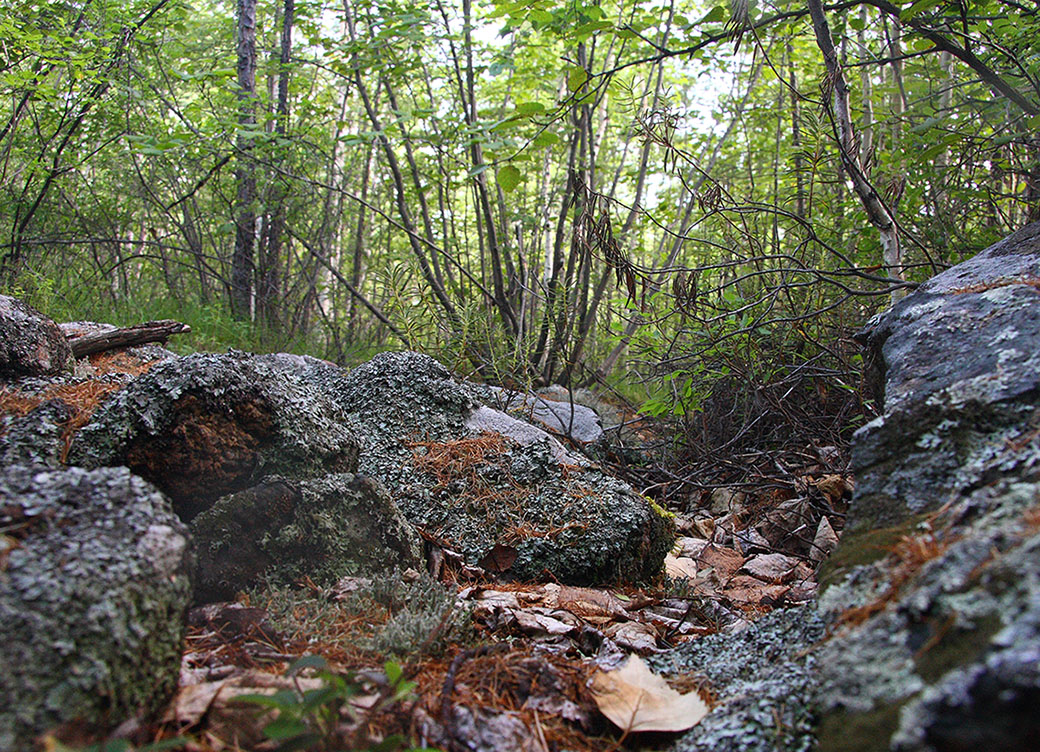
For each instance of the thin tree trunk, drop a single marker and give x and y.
(877, 212)
(269, 295)
(245, 211)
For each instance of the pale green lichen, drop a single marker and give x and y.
(92, 599)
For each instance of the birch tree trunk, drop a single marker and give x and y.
(245, 174)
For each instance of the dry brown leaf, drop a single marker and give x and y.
(834, 487)
(676, 567)
(589, 602)
(636, 699)
(192, 702)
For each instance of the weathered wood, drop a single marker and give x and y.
(139, 334)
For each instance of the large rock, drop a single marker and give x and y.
(283, 529)
(505, 498)
(926, 637)
(35, 438)
(763, 679)
(933, 595)
(30, 343)
(204, 426)
(94, 585)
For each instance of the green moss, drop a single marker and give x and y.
(661, 511)
(864, 546)
(954, 646)
(842, 731)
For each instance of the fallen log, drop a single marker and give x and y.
(139, 334)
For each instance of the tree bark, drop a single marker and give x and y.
(139, 334)
(269, 277)
(245, 212)
(877, 212)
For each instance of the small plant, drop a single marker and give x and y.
(424, 617)
(50, 744)
(312, 719)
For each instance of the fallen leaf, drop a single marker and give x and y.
(499, 559)
(636, 699)
(633, 635)
(770, 567)
(192, 702)
(677, 567)
(534, 624)
(588, 602)
(824, 542)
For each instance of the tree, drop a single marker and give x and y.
(242, 262)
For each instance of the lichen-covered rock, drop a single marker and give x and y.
(764, 679)
(203, 426)
(933, 595)
(961, 365)
(30, 343)
(94, 584)
(283, 529)
(34, 438)
(511, 507)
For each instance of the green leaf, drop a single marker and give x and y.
(315, 698)
(394, 672)
(297, 743)
(546, 138)
(284, 700)
(541, 16)
(308, 661)
(508, 177)
(530, 108)
(716, 14)
(921, 6)
(576, 78)
(285, 728)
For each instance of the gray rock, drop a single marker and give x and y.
(554, 410)
(203, 426)
(325, 528)
(485, 419)
(764, 679)
(480, 491)
(933, 594)
(94, 587)
(30, 343)
(35, 438)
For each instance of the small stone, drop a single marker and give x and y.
(690, 547)
(770, 567)
(705, 527)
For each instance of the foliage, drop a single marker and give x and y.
(310, 719)
(647, 194)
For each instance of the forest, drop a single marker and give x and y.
(693, 205)
(518, 342)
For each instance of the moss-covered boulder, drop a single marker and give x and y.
(933, 595)
(510, 502)
(283, 529)
(203, 426)
(94, 584)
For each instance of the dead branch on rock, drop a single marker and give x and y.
(139, 334)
